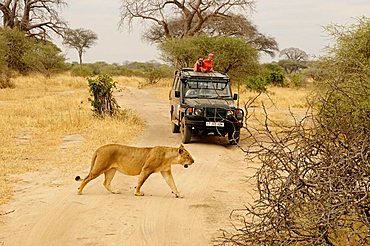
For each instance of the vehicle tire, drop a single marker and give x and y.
(234, 136)
(186, 133)
(174, 128)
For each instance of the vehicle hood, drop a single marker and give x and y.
(207, 102)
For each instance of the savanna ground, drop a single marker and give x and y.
(48, 134)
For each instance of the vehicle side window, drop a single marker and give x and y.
(174, 83)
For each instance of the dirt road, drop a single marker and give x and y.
(47, 210)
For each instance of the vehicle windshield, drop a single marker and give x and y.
(207, 89)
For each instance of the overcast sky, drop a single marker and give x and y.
(293, 23)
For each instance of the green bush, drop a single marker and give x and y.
(153, 76)
(101, 90)
(83, 71)
(24, 54)
(276, 78)
(298, 79)
(44, 57)
(257, 83)
(16, 46)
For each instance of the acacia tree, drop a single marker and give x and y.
(232, 26)
(232, 55)
(179, 19)
(80, 39)
(33, 17)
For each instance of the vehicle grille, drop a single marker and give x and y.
(216, 112)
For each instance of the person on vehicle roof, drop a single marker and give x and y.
(198, 65)
(208, 63)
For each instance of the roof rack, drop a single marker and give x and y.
(188, 72)
(186, 69)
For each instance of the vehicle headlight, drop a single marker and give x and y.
(198, 111)
(239, 114)
(229, 113)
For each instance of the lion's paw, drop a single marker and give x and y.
(139, 194)
(179, 196)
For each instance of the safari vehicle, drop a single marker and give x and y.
(203, 104)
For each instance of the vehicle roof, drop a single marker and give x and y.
(188, 72)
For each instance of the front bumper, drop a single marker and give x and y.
(199, 123)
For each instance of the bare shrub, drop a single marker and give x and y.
(313, 186)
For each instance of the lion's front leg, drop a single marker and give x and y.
(167, 175)
(142, 177)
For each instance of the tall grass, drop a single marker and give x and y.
(39, 113)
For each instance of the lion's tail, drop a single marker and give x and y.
(78, 178)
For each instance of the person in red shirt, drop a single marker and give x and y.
(208, 63)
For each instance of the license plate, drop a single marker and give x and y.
(218, 124)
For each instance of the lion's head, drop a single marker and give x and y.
(184, 157)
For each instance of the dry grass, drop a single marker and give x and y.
(159, 90)
(129, 81)
(38, 116)
(279, 103)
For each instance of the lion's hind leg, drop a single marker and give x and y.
(108, 179)
(85, 181)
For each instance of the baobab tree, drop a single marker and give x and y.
(295, 59)
(80, 39)
(294, 54)
(33, 17)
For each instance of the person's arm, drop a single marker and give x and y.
(195, 68)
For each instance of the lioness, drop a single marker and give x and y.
(136, 161)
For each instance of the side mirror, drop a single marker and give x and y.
(177, 93)
(235, 97)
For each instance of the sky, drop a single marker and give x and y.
(293, 23)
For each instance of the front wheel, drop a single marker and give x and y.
(175, 128)
(186, 132)
(234, 136)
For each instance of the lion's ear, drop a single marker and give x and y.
(181, 149)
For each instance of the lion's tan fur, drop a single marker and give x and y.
(136, 161)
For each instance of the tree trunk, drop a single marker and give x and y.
(25, 22)
(80, 57)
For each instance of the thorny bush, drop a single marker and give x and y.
(313, 185)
